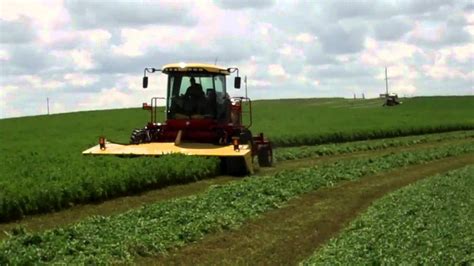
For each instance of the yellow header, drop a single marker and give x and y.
(195, 67)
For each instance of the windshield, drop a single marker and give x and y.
(196, 95)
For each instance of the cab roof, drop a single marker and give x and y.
(194, 67)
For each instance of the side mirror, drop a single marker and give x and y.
(237, 82)
(145, 82)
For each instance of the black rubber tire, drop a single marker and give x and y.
(138, 136)
(235, 166)
(265, 157)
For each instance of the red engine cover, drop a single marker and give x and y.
(196, 130)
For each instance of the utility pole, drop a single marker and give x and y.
(386, 82)
(47, 104)
(245, 81)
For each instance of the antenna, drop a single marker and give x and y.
(215, 61)
(386, 82)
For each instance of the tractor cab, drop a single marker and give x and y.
(197, 95)
(197, 105)
(196, 91)
(391, 100)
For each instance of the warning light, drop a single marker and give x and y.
(235, 142)
(102, 143)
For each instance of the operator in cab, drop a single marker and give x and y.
(195, 90)
(195, 100)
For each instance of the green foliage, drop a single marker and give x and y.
(430, 222)
(157, 227)
(51, 183)
(292, 153)
(42, 168)
(315, 121)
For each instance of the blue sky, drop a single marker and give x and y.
(87, 55)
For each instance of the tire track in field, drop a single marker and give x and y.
(288, 235)
(46, 221)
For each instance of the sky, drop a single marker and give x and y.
(88, 55)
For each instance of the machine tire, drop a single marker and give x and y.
(138, 136)
(235, 166)
(265, 157)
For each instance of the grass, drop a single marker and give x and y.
(53, 183)
(288, 235)
(291, 153)
(43, 185)
(428, 222)
(42, 168)
(315, 121)
(155, 228)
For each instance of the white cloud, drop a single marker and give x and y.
(82, 59)
(80, 80)
(305, 37)
(135, 42)
(290, 51)
(399, 72)
(386, 53)
(52, 84)
(107, 99)
(440, 71)
(259, 83)
(403, 87)
(8, 89)
(277, 70)
(45, 14)
(38, 83)
(461, 53)
(95, 37)
(4, 55)
(91, 50)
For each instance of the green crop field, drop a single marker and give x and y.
(54, 175)
(155, 228)
(42, 170)
(314, 121)
(429, 222)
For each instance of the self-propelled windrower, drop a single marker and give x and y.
(201, 120)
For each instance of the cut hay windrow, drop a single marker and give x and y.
(155, 228)
(291, 153)
(338, 137)
(427, 223)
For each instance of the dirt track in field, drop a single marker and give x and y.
(288, 235)
(119, 205)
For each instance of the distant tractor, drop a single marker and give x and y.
(391, 100)
(201, 119)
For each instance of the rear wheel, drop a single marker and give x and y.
(138, 136)
(265, 156)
